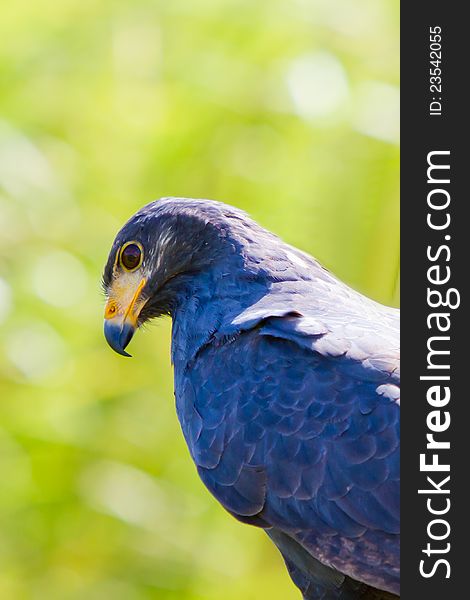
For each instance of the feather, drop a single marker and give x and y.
(287, 390)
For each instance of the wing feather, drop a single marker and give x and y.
(306, 438)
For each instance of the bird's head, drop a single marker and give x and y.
(158, 252)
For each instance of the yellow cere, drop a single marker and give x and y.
(124, 300)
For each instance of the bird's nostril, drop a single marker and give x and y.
(110, 310)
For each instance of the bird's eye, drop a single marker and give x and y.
(131, 256)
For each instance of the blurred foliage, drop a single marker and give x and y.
(285, 108)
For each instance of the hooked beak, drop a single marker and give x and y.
(122, 313)
(118, 335)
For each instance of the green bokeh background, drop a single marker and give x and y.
(287, 109)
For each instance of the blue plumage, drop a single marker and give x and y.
(287, 390)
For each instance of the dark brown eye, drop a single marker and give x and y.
(131, 256)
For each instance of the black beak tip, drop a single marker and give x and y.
(118, 337)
